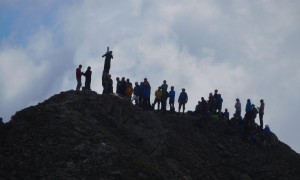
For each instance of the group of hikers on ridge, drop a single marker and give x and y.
(141, 92)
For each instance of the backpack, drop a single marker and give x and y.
(255, 111)
(129, 91)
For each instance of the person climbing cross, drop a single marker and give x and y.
(108, 56)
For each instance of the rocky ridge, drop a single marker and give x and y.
(92, 136)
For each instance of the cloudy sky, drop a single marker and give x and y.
(245, 49)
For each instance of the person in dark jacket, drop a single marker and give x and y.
(78, 77)
(146, 94)
(118, 86)
(109, 85)
(198, 108)
(123, 86)
(141, 97)
(226, 115)
(108, 56)
(248, 110)
(164, 97)
(219, 103)
(136, 93)
(105, 83)
(172, 99)
(182, 100)
(204, 109)
(88, 77)
(238, 108)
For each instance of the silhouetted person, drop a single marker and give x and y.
(164, 97)
(105, 83)
(88, 77)
(210, 103)
(182, 100)
(248, 109)
(78, 77)
(136, 93)
(204, 108)
(238, 108)
(118, 86)
(248, 106)
(261, 113)
(141, 98)
(108, 56)
(198, 108)
(110, 88)
(172, 99)
(215, 101)
(146, 94)
(123, 86)
(219, 103)
(226, 115)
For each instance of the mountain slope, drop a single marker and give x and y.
(91, 136)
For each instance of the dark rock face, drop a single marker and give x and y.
(91, 136)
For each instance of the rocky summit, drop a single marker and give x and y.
(82, 136)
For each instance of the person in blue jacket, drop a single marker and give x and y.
(248, 106)
(182, 100)
(248, 109)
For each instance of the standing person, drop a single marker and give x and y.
(182, 100)
(164, 97)
(204, 109)
(108, 56)
(215, 101)
(129, 89)
(261, 113)
(110, 85)
(172, 99)
(238, 108)
(88, 77)
(136, 93)
(118, 86)
(141, 98)
(123, 86)
(78, 78)
(219, 103)
(210, 103)
(146, 93)
(248, 110)
(105, 83)
(248, 106)
(158, 96)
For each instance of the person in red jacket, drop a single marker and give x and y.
(78, 78)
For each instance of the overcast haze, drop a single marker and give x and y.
(245, 49)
